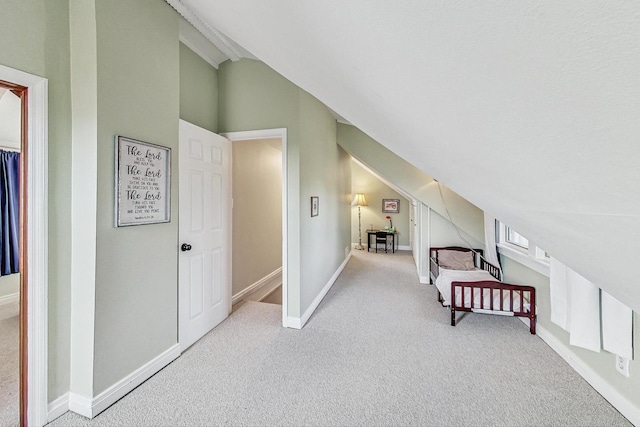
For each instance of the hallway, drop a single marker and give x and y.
(378, 351)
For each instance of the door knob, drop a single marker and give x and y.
(185, 247)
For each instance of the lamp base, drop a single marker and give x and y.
(359, 247)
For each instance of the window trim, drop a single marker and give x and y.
(509, 241)
(527, 257)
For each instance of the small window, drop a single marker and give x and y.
(516, 246)
(542, 254)
(516, 238)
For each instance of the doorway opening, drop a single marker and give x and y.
(259, 217)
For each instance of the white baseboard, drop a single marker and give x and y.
(270, 290)
(293, 323)
(273, 279)
(58, 407)
(80, 405)
(399, 248)
(10, 299)
(627, 408)
(424, 280)
(91, 407)
(298, 323)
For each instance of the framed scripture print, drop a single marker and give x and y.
(143, 182)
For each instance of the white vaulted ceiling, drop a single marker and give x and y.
(528, 109)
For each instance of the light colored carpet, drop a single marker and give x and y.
(378, 351)
(9, 365)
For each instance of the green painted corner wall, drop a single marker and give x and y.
(410, 179)
(603, 363)
(198, 90)
(136, 267)
(35, 39)
(252, 96)
(324, 172)
(363, 181)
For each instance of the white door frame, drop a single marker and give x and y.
(266, 134)
(37, 256)
(416, 234)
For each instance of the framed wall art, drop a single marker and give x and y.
(142, 182)
(390, 205)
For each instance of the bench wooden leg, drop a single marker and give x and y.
(453, 316)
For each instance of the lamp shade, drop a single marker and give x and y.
(359, 200)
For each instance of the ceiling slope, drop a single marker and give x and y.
(528, 109)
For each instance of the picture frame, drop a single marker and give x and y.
(142, 182)
(390, 205)
(315, 206)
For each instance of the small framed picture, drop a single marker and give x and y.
(391, 205)
(314, 205)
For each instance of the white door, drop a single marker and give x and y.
(204, 232)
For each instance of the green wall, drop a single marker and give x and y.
(198, 90)
(252, 97)
(410, 179)
(442, 232)
(35, 39)
(325, 171)
(603, 363)
(136, 268)
(362, 181)
(141, 95)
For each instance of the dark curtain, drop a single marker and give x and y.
(9, 212)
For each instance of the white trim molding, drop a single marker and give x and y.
(198, 43)
(10, 299)
(282, 134)
(399, 248)
(268, 282)
(37, 239)
(89, 408)
(620, 402)
(298, 323)
(524, 259)
(80, 405)
(37, 252)
(229, 48)
(58, 407)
